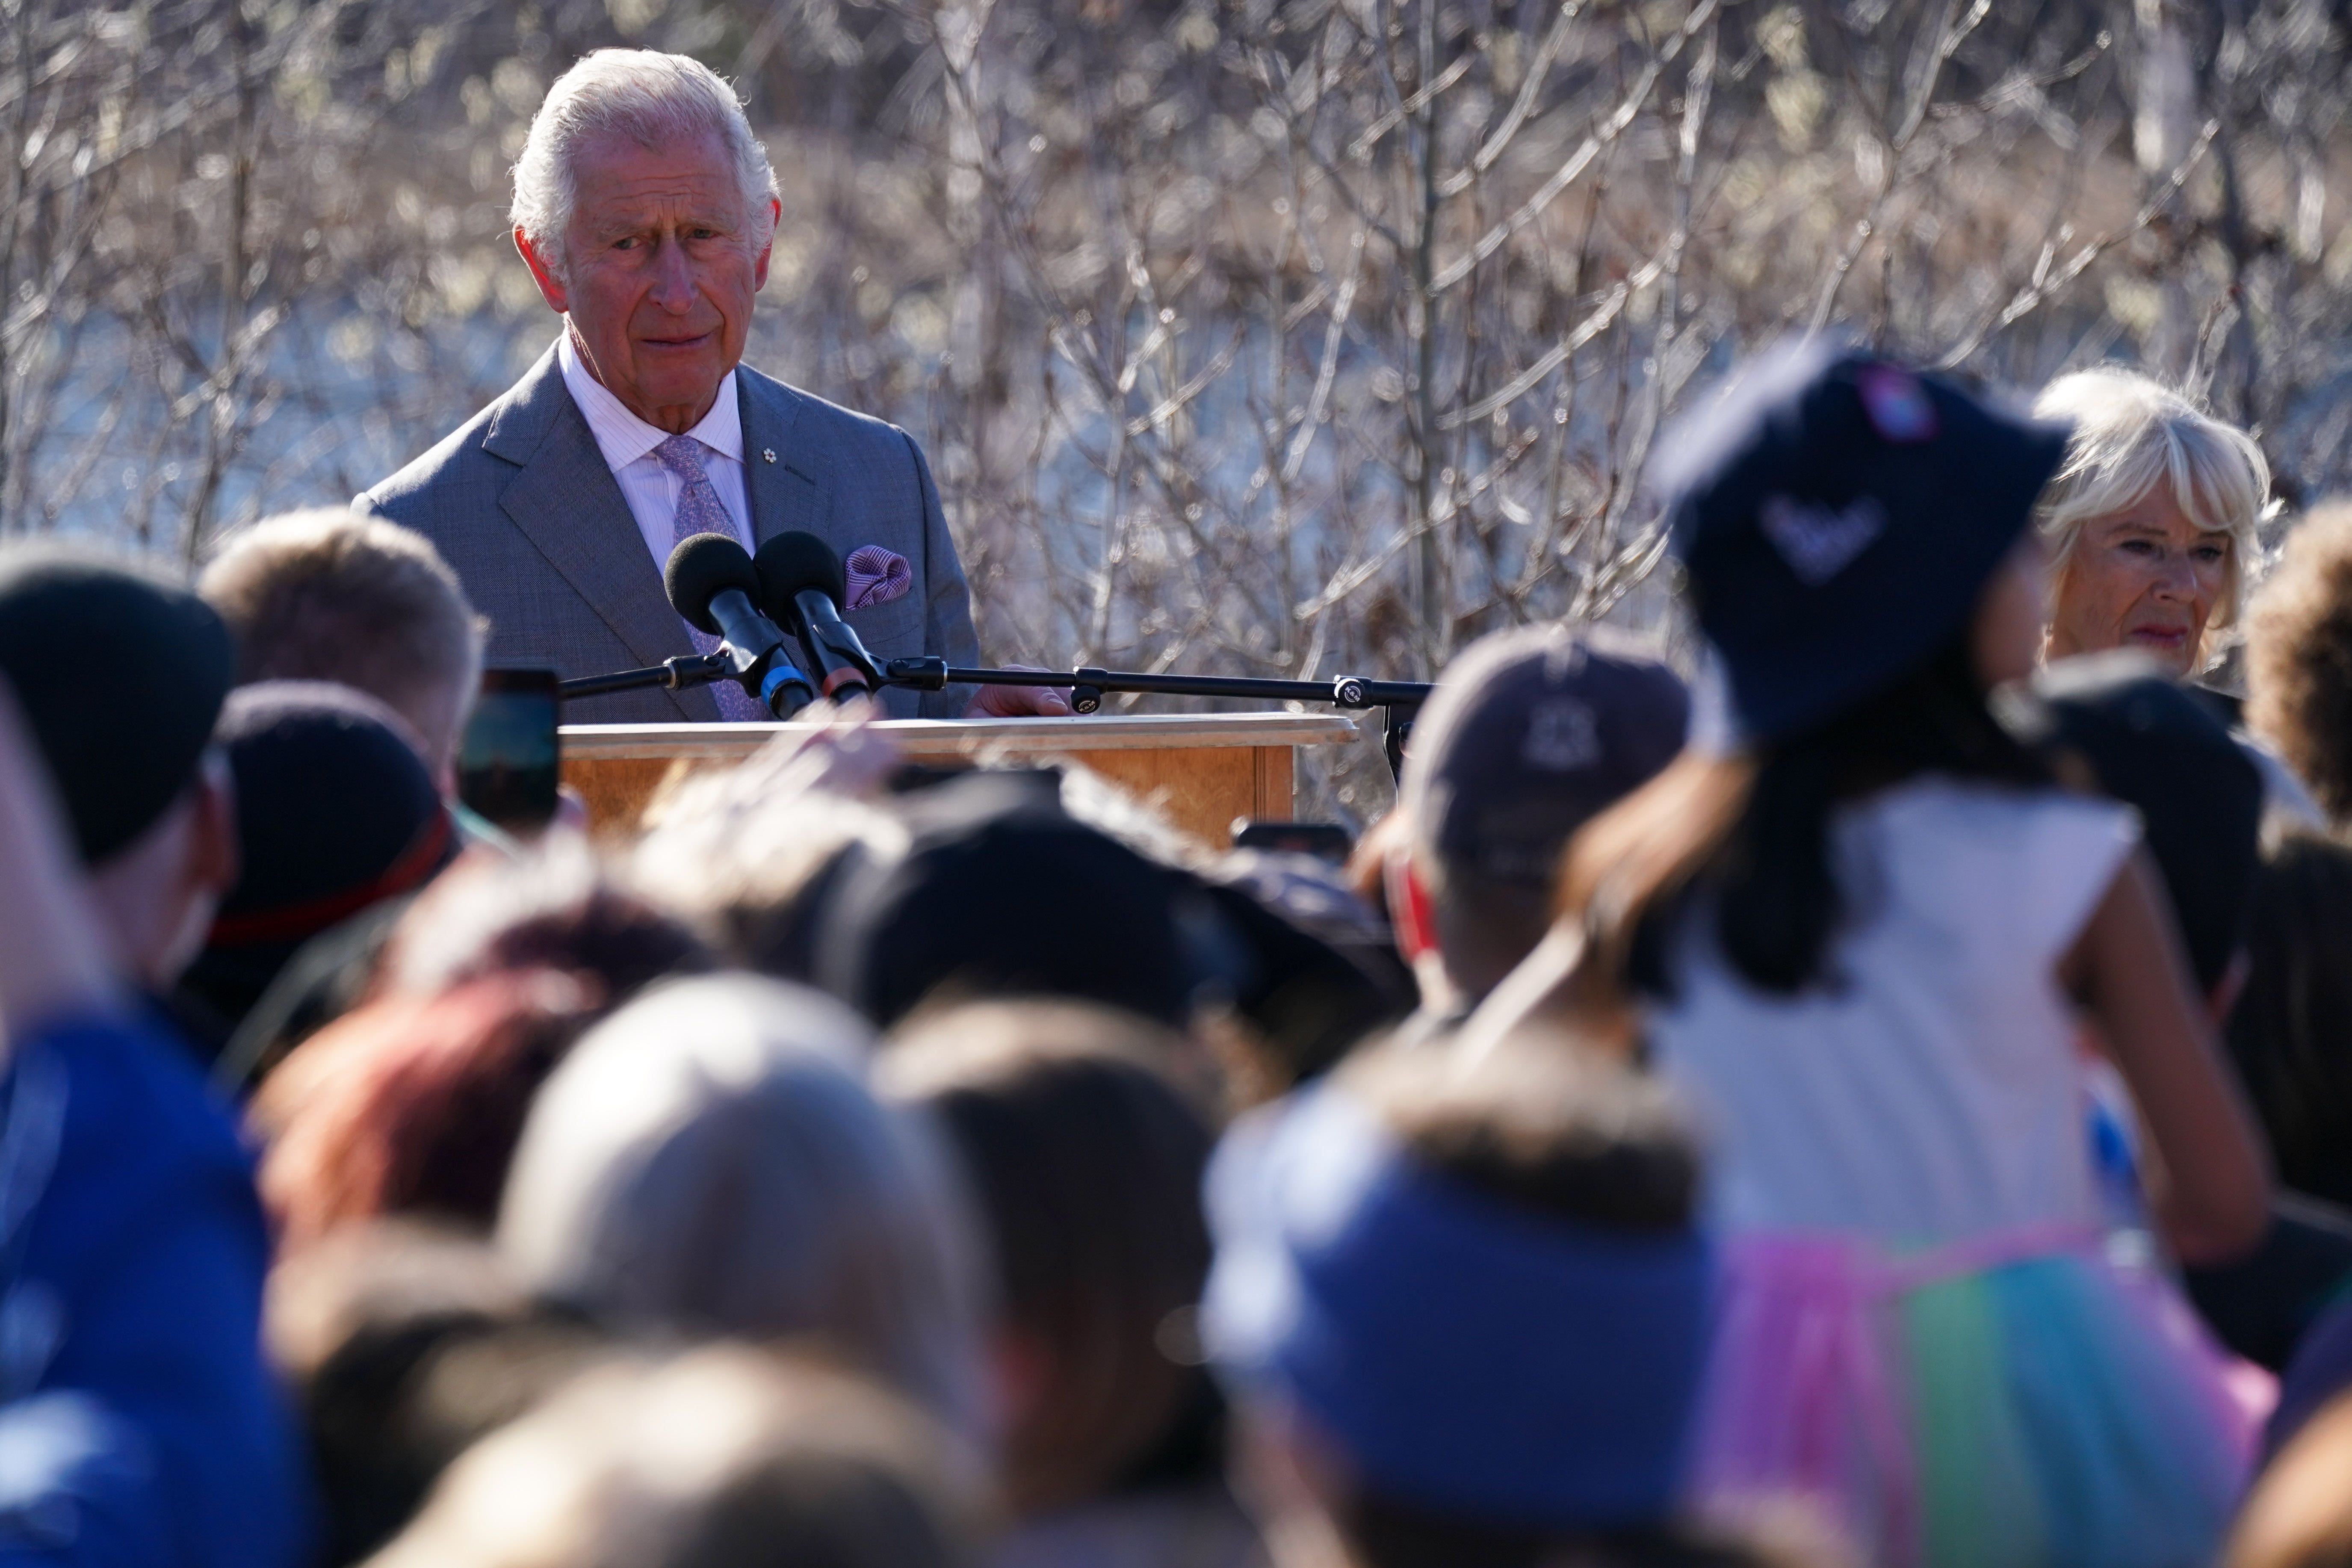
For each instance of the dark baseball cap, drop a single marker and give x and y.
(1004, 893)
(120, 676)
(1837, 516)
(1001, 893)
(1530, 733)
(2159, 749)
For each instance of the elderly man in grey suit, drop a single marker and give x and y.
(646, 208)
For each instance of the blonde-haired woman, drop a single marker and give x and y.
(2149, 521)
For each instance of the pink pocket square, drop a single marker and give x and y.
(876, 576)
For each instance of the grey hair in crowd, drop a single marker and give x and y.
(725, 1457)
(709, 1162)
(654, 100)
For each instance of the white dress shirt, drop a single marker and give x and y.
(647, 483)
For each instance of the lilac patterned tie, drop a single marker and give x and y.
(699, 511)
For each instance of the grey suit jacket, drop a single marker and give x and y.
(520, 502)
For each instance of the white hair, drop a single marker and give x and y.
(2131, 432)
(653, 98)
(709, 1161)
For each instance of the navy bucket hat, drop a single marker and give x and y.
(1836, 517)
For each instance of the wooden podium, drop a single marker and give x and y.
(1200, 770)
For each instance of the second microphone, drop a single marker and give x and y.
(801, 585)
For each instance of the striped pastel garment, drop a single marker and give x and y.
(1919, 1327)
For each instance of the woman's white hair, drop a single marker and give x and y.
(2132, 433)
(709, 1162)
(653, 98)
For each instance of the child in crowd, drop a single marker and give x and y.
(710, 1163)
(1853, 922)
(1466, 1312)
(1085, 1160)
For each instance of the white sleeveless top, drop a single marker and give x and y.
(1927, 1090)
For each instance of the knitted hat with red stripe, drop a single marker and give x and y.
(336, 813)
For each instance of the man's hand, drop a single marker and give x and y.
(1019, 702)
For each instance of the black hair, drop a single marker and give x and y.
(1774, 891)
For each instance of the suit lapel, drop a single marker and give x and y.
(566, 501)
(787, 486)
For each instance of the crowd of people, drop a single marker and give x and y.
(1880, 1094)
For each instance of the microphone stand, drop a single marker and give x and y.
(674, 674)
(1398, 701)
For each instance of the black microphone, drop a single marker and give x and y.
(802, 584)
(711, 583)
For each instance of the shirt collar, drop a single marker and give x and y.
(624, 438)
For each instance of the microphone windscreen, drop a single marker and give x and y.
(703, 566)
(791, 563)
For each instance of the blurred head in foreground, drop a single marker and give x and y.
(148, 796)
(1530, 734)
(2299, 657)
(336, 813)
(1001, 891)
(556, 910)
(2149, 520)
(328, 595)
(709, 1162)
(753, 873)
(1087, 1161)
(402, 1346)
(725, 1457)
(559, 908)
(1465, 1306)
(413, 1105)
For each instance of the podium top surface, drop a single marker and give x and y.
(919, 737)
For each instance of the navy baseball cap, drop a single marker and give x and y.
(1530, 734)
(1837, 516)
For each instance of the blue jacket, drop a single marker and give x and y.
(140, 1423)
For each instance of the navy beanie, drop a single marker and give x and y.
(120, 675)
(336, 813)
(1837, 517)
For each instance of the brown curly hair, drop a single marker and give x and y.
(2299, 657)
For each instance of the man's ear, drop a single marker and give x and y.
(760, 262)
(1409, 912)
(550, 287)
